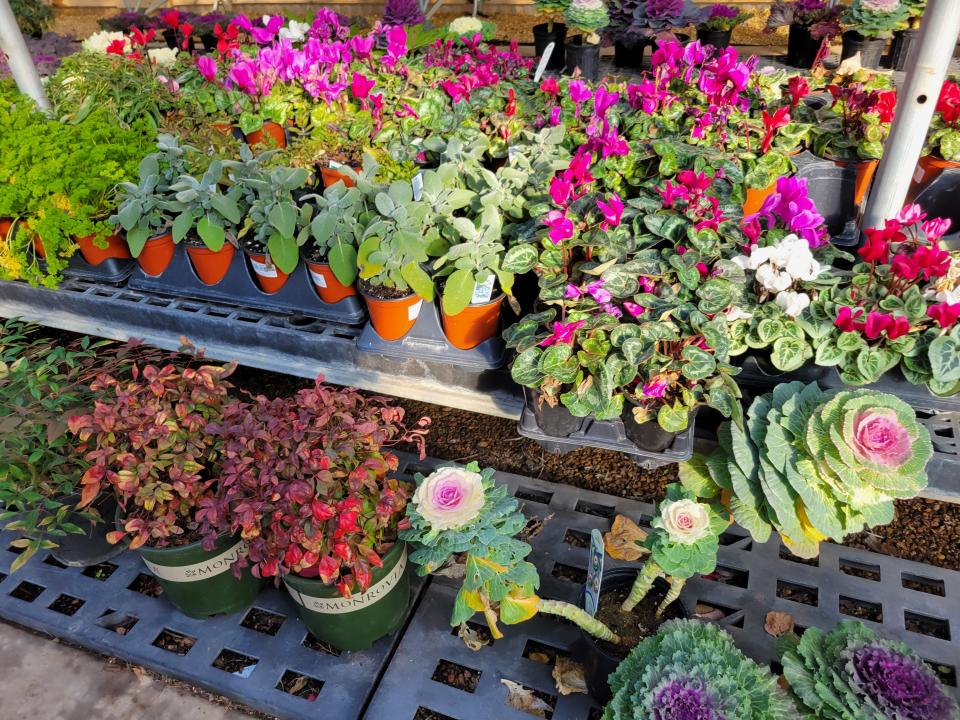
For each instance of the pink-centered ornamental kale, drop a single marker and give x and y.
(449, 498)
(879, 439)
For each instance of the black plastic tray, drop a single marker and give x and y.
(111, 270)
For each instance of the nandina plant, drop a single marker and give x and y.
(306, 481)
(149, 443)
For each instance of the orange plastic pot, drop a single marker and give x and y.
(929, 169)
(473, 325)
(5, 225)
(328, 287)
(270, 132)
(269, 277)
(210, 265)
(156, 254)
(392, 319)
(755, 198)
(331, 177)
(93, 254)
(865, 172)
(223, 127)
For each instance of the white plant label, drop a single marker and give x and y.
(417, 183)
(511, 153)
(483, 291)
(339, 605)
(318, 279)
(918, 174)
(334, 165)
(591, 598)
(541, 68)
(199, 571)
(413, 312)
(263, 269)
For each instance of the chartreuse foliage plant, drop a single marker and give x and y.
(691, 669)
(815, 464)
(462, 510)
(684, 543)
(850, 673)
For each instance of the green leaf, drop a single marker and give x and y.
(343, 261)
(674, 418)
(699, 363)
(283, 217)
(558, 361)
(526, 368)
(181, 226)
(418, 280)
(519, 259)
(788, 353)
(458, 291)
(227, 207)
(944, 354)
(212, 234)
(283, 252)
(136, 239)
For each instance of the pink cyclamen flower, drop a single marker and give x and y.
(550, 86)
(612, 211)
(656, 388)
(598, 292)
(648, 285)
(560, 189)
(572, 292)
(561, 227)
(555, 116)
(935, 228)
(361, 86)
(634, 309)
(603, 100)
(562, 333)
(361, 46)
(449, 498)
(880, 439)
(207, 67)
(944, 314)
(911, 214)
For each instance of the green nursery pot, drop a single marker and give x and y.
(357, 622)
(199, 582)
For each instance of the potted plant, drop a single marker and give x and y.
(208, 221)
(399, 239)
(942, 149)
(32, 16)
(870, 23)
(204, 27)
(404, 13)
(861, 667)
(693, 669)
(812, 24)
(717, 27)
(551, 31)
(306, 480)
(904, 37)
(336, 231)
(814, 464)
(459, 515)
(660, 19)
(588, 16)
(151, 446)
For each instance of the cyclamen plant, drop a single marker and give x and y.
(814, 464)
(462, 511)
(683, 543)
(943, 139)
(692, 670)
(857, 123)
(851, 673)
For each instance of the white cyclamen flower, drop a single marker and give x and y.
(685, 521)
(100, 41)
(163, 57)
(735, 313)
(294, 31)
(792, 303)
(772, 279)
(949, 296)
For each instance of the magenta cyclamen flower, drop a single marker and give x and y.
(603, 100)
(598, 292)
(361, 86)
(612, 211)
(935, 228)
(562, 333)
(656, 388)
(207, 67)
(791, 208)
(561, 227)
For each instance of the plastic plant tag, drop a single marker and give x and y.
(547, 52)
(594, 573)
(918, 174)
(318, 278)
(413, 312)
(483, 291)
(263, 269)
(417, 183)
(334, 165)
(511, 153)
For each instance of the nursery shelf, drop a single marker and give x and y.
(105, 609)
(291, 344)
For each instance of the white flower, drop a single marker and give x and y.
(949, 296)
(162, 57)
(294, 31)
(735, 313)
(99, 41)
(685, 521)
(772, 279)
(465, 25)
(793, 303)
(449, 497)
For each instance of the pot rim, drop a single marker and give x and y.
(387, 300)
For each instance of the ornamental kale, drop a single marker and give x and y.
(691, 670)
(850, 673)
(683, 543)
(402, 12)
(876, 18)
(652, 17)
(723, 17)
(815, 464)
(590, 16)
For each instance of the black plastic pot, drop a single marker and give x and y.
(718, 38)
(629, 55)
(92, 547)
(646, 436)
(941, 198)
(801, 47)
(209, 41)
(585, 56)
(870, 49)
(900, 47)
(556, 420)
(543, 37)
(598, 661)
(170, 37)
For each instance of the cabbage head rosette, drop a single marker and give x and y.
(850, 673)
(815, 464)
(589, 16)
(691, 670)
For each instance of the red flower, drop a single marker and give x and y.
(944, 314)
(117, 47)
(226, 39)
(799, 88)
(899, 327)
(511, 104)
(876, 248)
(772, 123)
(186, 29)
(885, 105)
(846, 319)
(170, 18)
(140, 38)
(948, 105)
(876, 323)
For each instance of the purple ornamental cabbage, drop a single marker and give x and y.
(684, 699)
(402, 12)
(899, 685)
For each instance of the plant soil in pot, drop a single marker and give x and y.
(585, 56)
(211, 266)
(156, 254)
(720, 39)
(543, 37)
(269, 277)
(554, 420)
(325, 282)
(270, 133)
(355, 623)
(393, 312)
(870, 49)
(116, 249)
(600, 657)
(802, 48)
(199, 582)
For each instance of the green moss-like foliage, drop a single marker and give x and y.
(691, 669)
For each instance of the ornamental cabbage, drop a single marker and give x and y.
(691, 669)
(587, 15)
(815, 464)
(852, 674)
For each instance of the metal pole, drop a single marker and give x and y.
(915, 104)
(18, 58)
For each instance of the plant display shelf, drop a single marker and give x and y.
(279, 342)
(109, 608)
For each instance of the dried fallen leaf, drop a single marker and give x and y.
(297, 685)
(708, 612)
(569, 676)
(778, 623)
(623, 540)
(522, 698)
(850, 65)
(471, 638)
(539, 657)
(534, 527)
(454, 570)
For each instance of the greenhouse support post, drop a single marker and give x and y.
(18, 57)
(916, 101)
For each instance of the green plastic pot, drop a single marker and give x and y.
(199, 582)
(357, 622)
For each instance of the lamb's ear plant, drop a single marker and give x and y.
(463, 512)
(214, 213)
(474, 261)
(814, 464)
(683, 543)
(337, 227)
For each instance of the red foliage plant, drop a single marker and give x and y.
(148, 440)
(305, 480)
